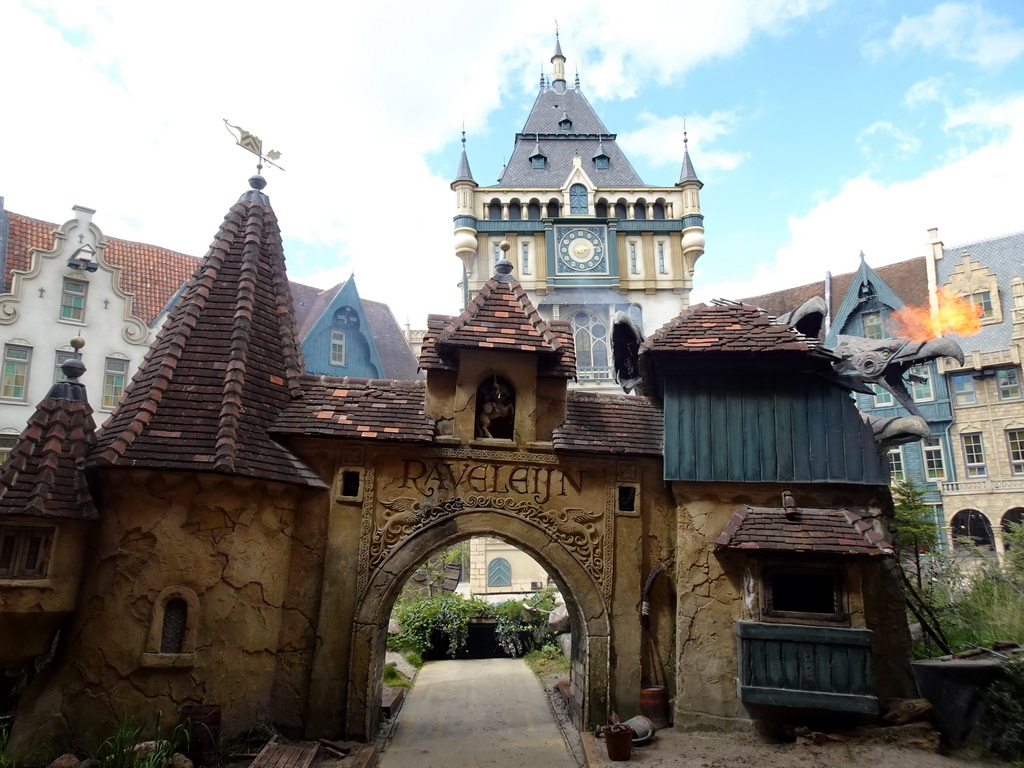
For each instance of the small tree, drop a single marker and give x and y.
(916, 529)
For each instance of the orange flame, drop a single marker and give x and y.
(955, 314)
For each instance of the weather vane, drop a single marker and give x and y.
(254, 144)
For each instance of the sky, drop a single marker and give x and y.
(820, 128)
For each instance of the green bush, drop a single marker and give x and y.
(1004, 704)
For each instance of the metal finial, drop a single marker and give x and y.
(577, 78)
(73, 367)
(252, 143)
(463, 137)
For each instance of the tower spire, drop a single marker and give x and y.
(559, 61)
(687, 174)
(464, 173)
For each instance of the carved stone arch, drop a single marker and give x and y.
(588, 613)
(171, 641)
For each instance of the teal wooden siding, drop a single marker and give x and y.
(748, 426)
(809, 667)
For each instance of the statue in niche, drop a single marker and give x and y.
(495, 409)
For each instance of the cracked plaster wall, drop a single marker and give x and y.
(228, 540)
(715, 591)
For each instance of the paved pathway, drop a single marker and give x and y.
(479, 712)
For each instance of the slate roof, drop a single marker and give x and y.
(908, 280)
(559, 147)
(815, 531)
(377, 409)
(43, 476)
(225, 364)
(151, 273)
(610, 424)
(395, 354)
(727, 327)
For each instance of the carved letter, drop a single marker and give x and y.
(577, 486)
(406, 477)
(478, 478)
(519, 479)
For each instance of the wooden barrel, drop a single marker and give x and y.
(654, 705)
(204, 732)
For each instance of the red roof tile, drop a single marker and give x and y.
(44, 477)
(817, 531)
(225, 364)
(359, 408)
(610, 424)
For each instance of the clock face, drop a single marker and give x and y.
(581, 249)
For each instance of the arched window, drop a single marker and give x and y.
(620, 209)
(591, 336)
(1014, 518)
(499, 573)
(494, 210)
(640, 209)
(346, 317)
(515, 210)
(578, 199)
(971, 528)
(553, 208)
(601, 210)
(533, 211)
(659, 210)
(495, 409)
(172, 633)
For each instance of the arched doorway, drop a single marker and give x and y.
(589, 621)
(971, 528)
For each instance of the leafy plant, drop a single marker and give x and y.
(395, 678)
(547, 660)
(119, 751)
(6, 760)
(1004, 702)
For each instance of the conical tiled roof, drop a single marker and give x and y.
(501, 317)
(44, 477)
(686, 173)
(225, 364)
(464, 173)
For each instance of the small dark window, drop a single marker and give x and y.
(565, 124)
(25, 552)
(620, 210)
(601, 210)
(601, 162)
(172, 633)
(350, 484)
(538, 161)
(812, 594)
(627, 498)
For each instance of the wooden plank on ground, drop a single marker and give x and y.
(275, 755)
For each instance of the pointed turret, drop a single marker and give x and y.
(464, 173)
(687, 174)
(225, 364)
(44, 475)
(559, 62)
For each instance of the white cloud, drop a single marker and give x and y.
(882, 141)
(972, 197)
(929, 90)
(962, 31)
(660, 140)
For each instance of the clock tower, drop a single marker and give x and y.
(587, 237)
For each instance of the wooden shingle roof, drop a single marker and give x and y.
(225, 364)
(357, 408)
(815, 531)
(610, 424)
(44, 477)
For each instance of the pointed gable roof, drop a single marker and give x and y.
(502, 317)
(44, 475)
(225, 364)
(879, 289)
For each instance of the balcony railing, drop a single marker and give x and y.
(791, 665)
(984, 485)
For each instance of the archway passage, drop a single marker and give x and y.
(971, 528)
(588, 615)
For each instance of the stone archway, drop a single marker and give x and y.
(589, 672)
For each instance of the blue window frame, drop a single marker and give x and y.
(499, 573)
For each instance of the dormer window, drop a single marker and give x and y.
(538, 161)
(601, 162)
(565, 124)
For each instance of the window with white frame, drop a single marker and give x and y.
(632, 259)
(578, 202)
(15, 378)
(896, 471)
(72, 301)
(661, 258)
(882, 397)
(62, 357)
(1015, 444)
(964, 392)
(983, 299)
(115, 376)
(871, 322)
(921, 391)
(497, 251)
(337, 347)
(974, 454)
(526, 258)
(591, 335)
(934, 462)
(1008, 381)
